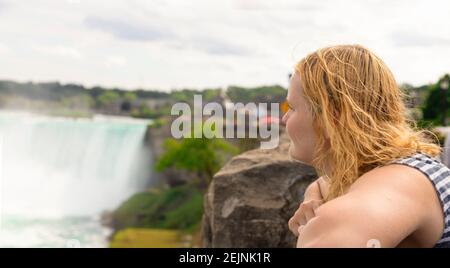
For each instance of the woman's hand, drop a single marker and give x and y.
(304, 213)
(313, 198)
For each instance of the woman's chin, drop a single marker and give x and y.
(295, 155)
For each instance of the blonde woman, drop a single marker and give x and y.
(381, 183)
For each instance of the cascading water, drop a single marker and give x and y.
(59, 174)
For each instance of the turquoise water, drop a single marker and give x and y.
(73, 232)
(59, 174)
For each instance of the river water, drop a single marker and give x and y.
(57, 175)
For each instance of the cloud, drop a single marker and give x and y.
(145, 32)
(410, 39)
(3, 48)
(115, 61)
(128, 30)
(3, 6)
(217, 46)
(60, 51)
(200, 43)
(280, 5)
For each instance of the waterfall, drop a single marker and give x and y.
(60, 167)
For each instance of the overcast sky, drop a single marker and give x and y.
(166, 44)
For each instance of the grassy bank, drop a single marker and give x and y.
(159, 218)
(150, 238)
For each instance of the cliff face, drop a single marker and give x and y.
(251, 199)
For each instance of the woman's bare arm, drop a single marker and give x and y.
(385, 205)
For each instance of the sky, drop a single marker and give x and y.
(174, 44)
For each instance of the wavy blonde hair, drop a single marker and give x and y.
(354, 98)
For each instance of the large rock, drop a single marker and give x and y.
(250, 200)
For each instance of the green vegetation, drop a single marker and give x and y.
(158, 123)
(53, 97)
(202, 156)
(432, 107)
(178, 208)
(145, 112)
(187, 95)
(264, 94)
(149, 238)
(108, 98)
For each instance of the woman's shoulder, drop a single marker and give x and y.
(407, 189)
(397, 179)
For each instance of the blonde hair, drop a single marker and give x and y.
(354, 98)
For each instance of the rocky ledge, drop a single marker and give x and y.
(250, 200)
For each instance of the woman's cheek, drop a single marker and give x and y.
(292, 126)
(288, 126)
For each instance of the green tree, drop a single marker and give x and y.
(262, 94)
(210, 94)
(107, 98)
(202, 156)
(129, 96)
(433, 106)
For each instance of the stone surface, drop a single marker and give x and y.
(250, 200)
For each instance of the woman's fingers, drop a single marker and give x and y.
(304, 213)
(299, 230)
(315, 204)
(302, 218)
(308, 214)
(294, 222)
(293, 226)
